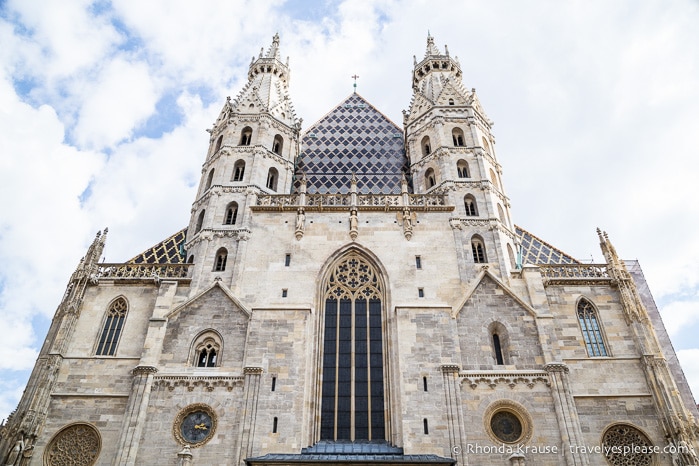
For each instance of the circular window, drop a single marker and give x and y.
(507, 421)
(506, 426)
(195, 425)
(625, 445)
(75, 444)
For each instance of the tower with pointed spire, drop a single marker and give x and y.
(381, 308)
(451, 150)
(253, 146)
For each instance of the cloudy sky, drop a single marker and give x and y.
(104, 106)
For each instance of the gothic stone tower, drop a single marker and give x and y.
(356, 293)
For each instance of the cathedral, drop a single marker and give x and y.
(354, 292)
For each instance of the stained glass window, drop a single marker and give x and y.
(353, 388)
(592, 334)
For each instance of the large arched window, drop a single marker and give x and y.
(231, 214)
(589, 324)
(221, 258)
(113, 325)
(245, 136)
(206, 349)
(278, 144)
(457, 135)
(272, 178)
(430, 178)
(478, 250)
(239, 170)
(462, 169)
(352, 406)
(470, 205)
(426, 147)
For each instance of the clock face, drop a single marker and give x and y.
(196, 427)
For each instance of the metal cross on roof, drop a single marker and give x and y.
(355, 82)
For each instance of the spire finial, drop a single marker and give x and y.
(431, 48)
(355, 77)
(274, 49)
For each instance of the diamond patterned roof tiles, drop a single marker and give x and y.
(537, 251)
(168, 251)
(354, 137)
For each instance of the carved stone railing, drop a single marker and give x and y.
(574, 274)
(141, 271)
(341, 202)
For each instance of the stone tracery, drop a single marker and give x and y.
(74, 445)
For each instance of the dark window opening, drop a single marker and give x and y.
(498, 350)
(425, 427)
(287, 260)
(418, 262)
(274, 426)
(424, 384)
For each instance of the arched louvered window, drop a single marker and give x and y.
(591, 331)
(231, 214)
(430, 178)
(200, 221)
(219, 141)
(278, 144)
(245, 136)
(113, 325)
(426, 147)
(272, 178)
(462, 169)
(209, 180)
(457, 135)
(470, 206)
(478, 250)
(207, 349)
(221, 258)
(352, 405)
(239, 170)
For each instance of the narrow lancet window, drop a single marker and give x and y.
(113, 325)
(592, 334)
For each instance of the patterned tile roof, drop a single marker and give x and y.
(168, 251)
(537, 251)
(354, 137)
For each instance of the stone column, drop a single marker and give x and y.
(452, 394)
(248, 419)
(566, 415)
(135, 417)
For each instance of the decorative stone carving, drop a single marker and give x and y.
(407, 220)
(190, 383)
(511, 379)
(300, 224)
(619, 436)
(74, 445)
(354, 224)
(508, 422)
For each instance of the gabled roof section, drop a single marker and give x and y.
(168, 251)
(354, 137)
(537, 251)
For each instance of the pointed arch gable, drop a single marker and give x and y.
(477, 281)
(246, 310)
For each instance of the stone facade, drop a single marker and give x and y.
(447, 333)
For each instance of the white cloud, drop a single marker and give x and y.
(678, 315)
(42, 227)
(121, 99)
